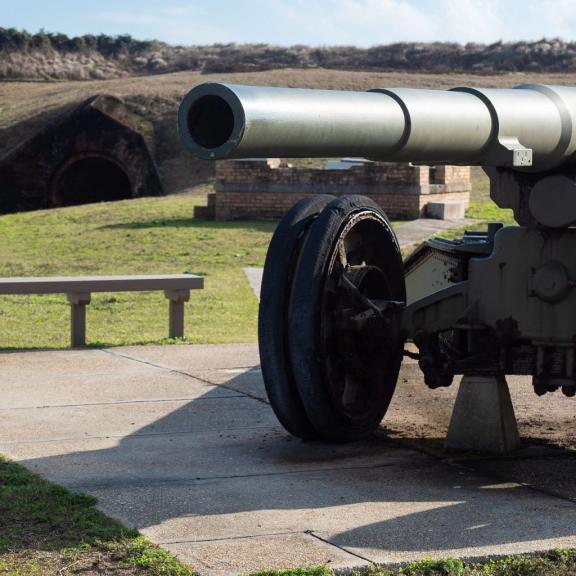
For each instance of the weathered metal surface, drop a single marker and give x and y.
(513, 281)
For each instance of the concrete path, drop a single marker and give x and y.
(179, 441)
(254, 277)
(408, 234)
(416, 231)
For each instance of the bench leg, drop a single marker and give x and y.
(78, 303)
(177, 299)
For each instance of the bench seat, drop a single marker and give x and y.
(78, 289)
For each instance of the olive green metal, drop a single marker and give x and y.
(530, 127)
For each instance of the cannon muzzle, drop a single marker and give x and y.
(530, 126)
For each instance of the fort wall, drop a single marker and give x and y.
(266, 190)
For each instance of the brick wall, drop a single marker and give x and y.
(255, 190)
(450, 175)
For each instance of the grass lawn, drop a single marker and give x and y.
(552, 563)
(145, 236)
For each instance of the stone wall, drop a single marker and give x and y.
(92, 153)
(257, 190)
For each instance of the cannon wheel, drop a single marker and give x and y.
(346, 353)
(281, 260)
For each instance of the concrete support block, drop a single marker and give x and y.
(204, 212)
(78, 303)
(447, 210)
(483, 419)
(177, 299)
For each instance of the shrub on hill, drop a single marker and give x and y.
(48, 55)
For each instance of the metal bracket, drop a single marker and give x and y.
(438, 311)
(509, 152)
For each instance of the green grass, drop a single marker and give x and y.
(480, 185)
(481, 205)
(489, 212)
(552, 563)
(144, 236)
(485, 212)
(46, 529)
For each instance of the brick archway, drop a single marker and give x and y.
(86, 178)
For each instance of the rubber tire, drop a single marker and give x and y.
(305, 346)
(281, 260)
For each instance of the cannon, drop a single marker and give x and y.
(338, 303)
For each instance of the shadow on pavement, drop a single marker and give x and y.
(220, 466)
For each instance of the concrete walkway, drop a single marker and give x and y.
(408, 234)
(179, 441)
(416, 231)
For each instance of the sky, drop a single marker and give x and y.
(288, 22)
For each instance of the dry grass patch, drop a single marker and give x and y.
(46, 529)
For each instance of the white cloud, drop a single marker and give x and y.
(556, 18)
(355, 21)
(474, 20)
(337, 22)
(369, 22)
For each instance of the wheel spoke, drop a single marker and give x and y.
(353, 280)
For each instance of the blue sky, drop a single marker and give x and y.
(312, 22)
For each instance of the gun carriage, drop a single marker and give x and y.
(338, 303)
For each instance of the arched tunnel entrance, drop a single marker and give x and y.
(89, 178)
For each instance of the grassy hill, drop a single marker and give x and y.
(20, 101)
(144, 236)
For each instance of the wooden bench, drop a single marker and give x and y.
(79, 288)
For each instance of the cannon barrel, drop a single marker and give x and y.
(529, 127)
